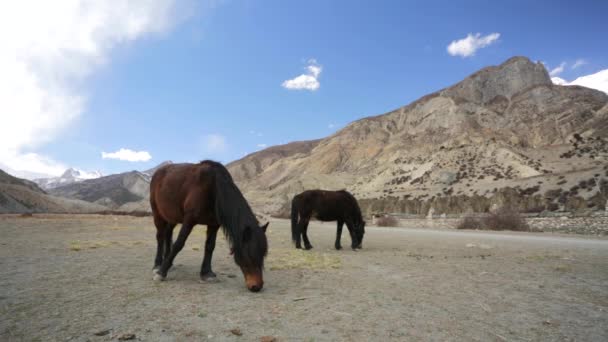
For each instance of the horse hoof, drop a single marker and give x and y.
(308, 247)
(338, 247)
(209, 278)
(155, 270)
(158, 277)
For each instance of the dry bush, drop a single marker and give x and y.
(136, 213)
(503, 219)
(387, 221)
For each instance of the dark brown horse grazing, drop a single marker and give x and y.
(325, 205)
(204, 193)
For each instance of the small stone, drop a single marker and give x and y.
(102, 332)
(126, 337)
(470, 245)
(236, 331)
(268, 339)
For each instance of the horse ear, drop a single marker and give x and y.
(264, 227)
(247, 234)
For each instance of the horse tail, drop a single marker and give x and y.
(295, 232)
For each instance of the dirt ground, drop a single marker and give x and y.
(71, 277)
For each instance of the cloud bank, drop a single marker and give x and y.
(48, 49)
(127, 155)
(466, 47)
(307, 81)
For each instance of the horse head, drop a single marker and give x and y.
(249, 255)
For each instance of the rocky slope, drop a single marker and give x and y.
(110, 191)
(124, 191)
(506, 135)
(23, 196)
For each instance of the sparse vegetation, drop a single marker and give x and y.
(387, 221)
(503, 219)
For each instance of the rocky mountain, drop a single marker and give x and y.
(70, 176)
(123, 191)
(23, 196)
(111, 191)
(505, 135)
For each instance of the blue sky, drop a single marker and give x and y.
(208, 83)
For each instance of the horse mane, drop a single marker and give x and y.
(355, 204)
(231, 208)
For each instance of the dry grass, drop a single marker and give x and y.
(77, 245)
(287, 259)
(503, 219)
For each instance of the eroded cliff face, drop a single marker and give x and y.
(505, 132)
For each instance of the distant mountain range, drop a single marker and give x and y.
(70, 176)
(504, 136)
(22, 196)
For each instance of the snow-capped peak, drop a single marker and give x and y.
(71, 175)
(80, 174)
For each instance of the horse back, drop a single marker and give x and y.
(178, 191)
(327, 205)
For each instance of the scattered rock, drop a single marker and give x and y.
(236, 331)
(268, 339)
(471, 245)
(102, 332)
(126, 337)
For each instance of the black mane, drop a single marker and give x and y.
(235, 216)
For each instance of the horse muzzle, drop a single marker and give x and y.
(254, 282)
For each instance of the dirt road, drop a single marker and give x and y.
(70, 277)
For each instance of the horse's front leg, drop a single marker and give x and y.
(338, 245)
(353, 236)
(161, 274)
(206, 272)
(304, 231)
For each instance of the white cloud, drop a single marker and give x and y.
(214, 143)
(48, 49)
(598, 80)
(466, 47)
(307, 81)
(557, 70)
(262, 145)
(127, 155)
(331, 125)
(579, 62)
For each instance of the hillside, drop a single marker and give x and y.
(110, 191)
(23, 196)
(506, 135)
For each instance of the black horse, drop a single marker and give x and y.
(325, 205)
(205, 193)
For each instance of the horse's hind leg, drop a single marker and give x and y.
(206, 272)
(176, 248)
(168, 240)
(304, 231)
(161, 226)
(338, 245)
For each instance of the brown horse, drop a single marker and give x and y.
(205, 193)
(325, 205)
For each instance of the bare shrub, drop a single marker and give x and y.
(502, 219)
(469, 222)
(387, 221)
(136, 213)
